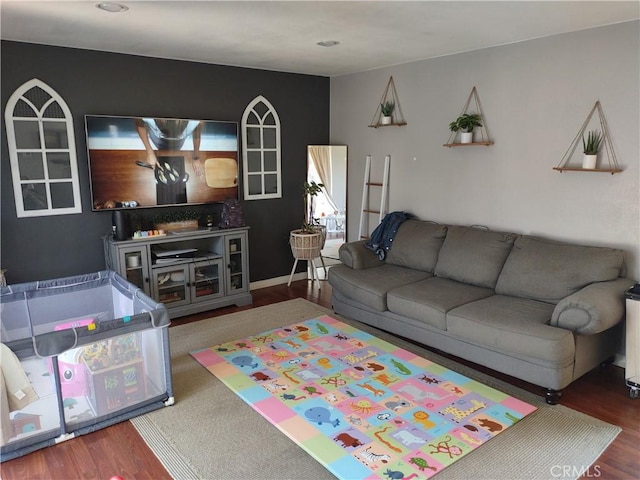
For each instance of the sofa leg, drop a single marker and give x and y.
(552, 397)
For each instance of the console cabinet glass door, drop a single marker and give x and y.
(134, 266)
(171, 285)
(237, 280)
(206, 280)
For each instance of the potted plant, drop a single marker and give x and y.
(306, 242)
(465, 124)
(386, 109)
(591, 147)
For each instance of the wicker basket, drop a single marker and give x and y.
(306, 246)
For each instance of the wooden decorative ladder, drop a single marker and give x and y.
(366, 211)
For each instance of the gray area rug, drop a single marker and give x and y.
(210, 433)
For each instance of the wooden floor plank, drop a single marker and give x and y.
(119, 450)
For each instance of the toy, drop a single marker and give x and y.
(72, 370)
(72, 374)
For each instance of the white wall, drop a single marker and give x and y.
(535, 96)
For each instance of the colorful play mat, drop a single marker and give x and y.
(359, 405)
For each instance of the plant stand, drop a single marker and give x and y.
(314, 275)
(307, 246)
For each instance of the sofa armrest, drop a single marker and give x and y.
(355, 255)
(593, 309)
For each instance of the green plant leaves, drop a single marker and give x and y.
(591, 145)
(466, 122)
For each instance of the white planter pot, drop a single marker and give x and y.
(466, 137)
(385, 120)
(589, 161)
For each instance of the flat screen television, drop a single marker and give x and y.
(142, 162)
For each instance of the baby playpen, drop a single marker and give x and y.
(78, 354)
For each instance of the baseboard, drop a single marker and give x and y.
(270, 282)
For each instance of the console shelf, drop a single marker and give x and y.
(215, 272)
(597, 170)
(467, 144)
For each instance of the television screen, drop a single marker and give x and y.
(150, 162)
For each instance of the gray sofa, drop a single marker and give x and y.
(539, 310)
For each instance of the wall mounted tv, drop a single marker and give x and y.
(142, 162)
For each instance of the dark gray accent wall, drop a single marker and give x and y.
(103, 83)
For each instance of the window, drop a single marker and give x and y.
(42, 151)
(261, 150)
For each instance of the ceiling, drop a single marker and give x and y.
(283, 35)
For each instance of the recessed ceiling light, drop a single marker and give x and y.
(112, 7)
(328, 43)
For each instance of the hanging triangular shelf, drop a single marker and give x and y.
(612, 161)
(389, 95)
(484, 130)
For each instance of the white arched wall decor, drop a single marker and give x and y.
(42, 152)
(261, 150)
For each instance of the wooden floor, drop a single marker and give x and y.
(119, 450)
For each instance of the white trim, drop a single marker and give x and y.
(245, 150)
(13, 150)
(270, 282)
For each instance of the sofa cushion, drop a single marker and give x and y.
(550, 271)
(513, 326)
(473, 255)
(416, 245)
(429, 300)
(370, 286)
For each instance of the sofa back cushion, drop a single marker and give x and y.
(549, 271)
(416, 245)
(473, 255)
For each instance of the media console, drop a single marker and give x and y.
(189, 273)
